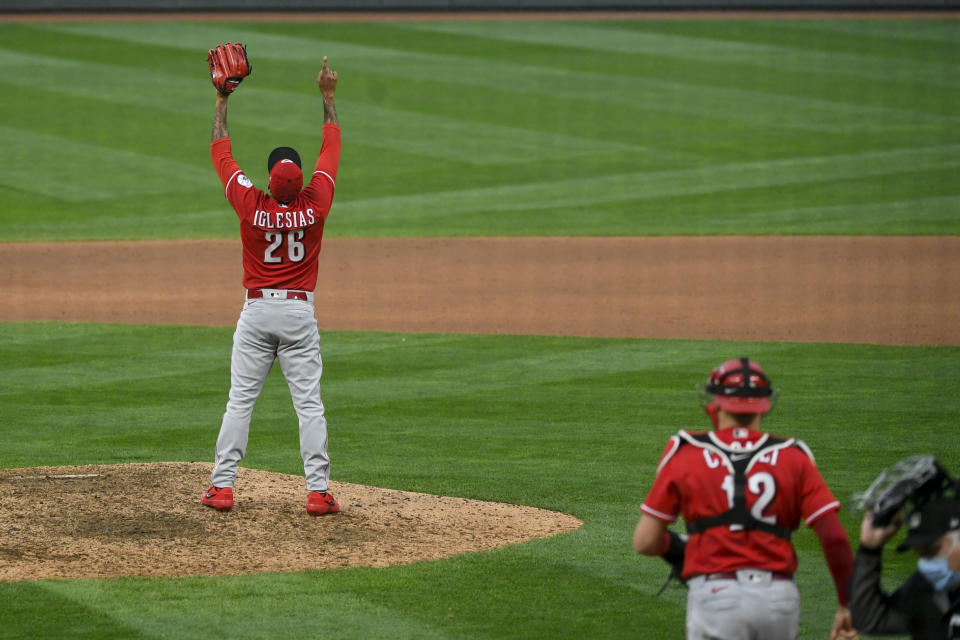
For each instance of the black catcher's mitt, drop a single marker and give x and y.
(915, 479)
(228, 66)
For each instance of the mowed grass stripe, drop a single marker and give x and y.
(90, 364)
(393, 63)
(938, 31)
(722, 104)
(789, 111)
(937, 211)
(114, 83)
(384, 377)
(602, 37)
(77, 171)
(708, 50)
(523, 138)
(433, 137)
(727, 216)
(450, 138)
(573, 191)
(98, 220)
(251, 614)
(642, 90)
(448, 378)
(754, 106)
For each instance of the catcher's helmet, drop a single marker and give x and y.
(740, 386)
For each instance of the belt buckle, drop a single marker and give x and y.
(754, 575)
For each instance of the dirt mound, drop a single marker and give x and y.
(106, 521)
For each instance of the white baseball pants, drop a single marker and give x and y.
(268, 330)
(752, 607)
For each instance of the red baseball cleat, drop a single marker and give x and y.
(319, 503)
(220, 499)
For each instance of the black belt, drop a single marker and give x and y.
(291, 295)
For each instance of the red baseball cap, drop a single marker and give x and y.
(286, 175)
(286, 180)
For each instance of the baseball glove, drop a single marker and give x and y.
(915, 479)
(228, 66)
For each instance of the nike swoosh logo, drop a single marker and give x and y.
(716, 589)
(739, 456)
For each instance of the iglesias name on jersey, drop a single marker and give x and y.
(281, 242)
(284, 219)
(782, 488)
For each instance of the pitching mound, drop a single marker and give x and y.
(106, 521)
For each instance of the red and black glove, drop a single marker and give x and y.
(228, 66)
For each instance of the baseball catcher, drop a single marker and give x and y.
(742, 493)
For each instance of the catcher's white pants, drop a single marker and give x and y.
(268, 330)
(752, 607)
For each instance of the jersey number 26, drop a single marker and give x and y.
(295, 249)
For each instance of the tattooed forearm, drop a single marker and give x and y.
(329, 113)
(220, 119)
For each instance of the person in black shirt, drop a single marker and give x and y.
(927, 605)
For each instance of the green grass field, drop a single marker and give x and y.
(472, 128)
(569, 424)
(495, 128)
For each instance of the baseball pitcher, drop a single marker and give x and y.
(742, 492)
(280, 233)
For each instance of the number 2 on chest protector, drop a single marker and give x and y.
(295, 249)
(762, 484)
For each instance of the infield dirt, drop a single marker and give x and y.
(879, 290)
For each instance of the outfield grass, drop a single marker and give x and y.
(495, 128)
(570, 424)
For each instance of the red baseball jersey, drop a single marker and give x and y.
(783, 487)
(281, 243)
